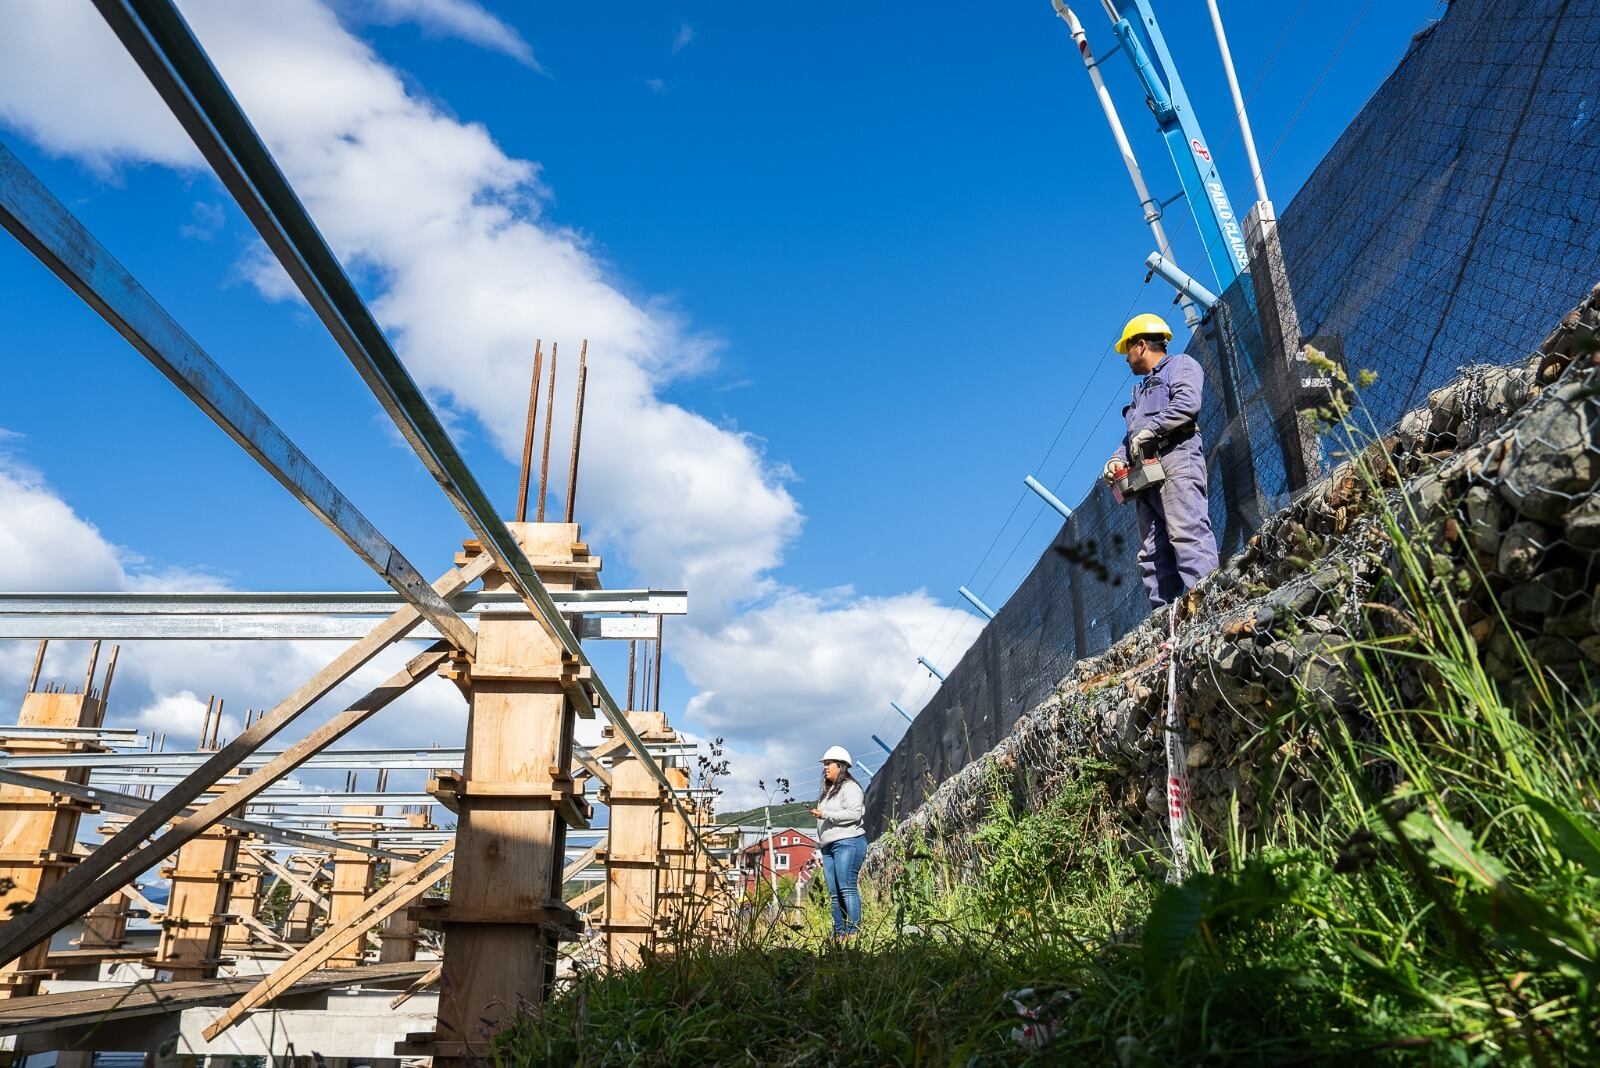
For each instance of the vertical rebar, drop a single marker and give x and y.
(38, 663)
(94, 658)
(644, 683)
(655, 703)
(527, 434)
(633, 657)
(577, 431)
(549, 410)
(105, 684)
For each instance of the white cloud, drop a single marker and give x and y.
(656, 85)
(470, 274)
(450, 18)
(45, 545)
(806, 671)
(98, 120)
(681, 39)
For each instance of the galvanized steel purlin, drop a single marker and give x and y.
(47, 229)
(128, 804)
(159, 40)
(363, 602)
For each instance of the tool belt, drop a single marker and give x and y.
(1177, 437)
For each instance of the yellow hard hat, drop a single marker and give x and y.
(1143, 324)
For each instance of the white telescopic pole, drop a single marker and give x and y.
(1238, 107)
(1152, 210)
(772, 861)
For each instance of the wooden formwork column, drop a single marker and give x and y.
(713, 902)
(632, 853)
(245, 899)
(352, 884)
(202, 877)
(677, 852)
(106, 925)
(39, 831)
(514, 801)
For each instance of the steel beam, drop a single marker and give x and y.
(159, 40)
(350, 603)
(48, 230)
(358, 759)
(299, 617)
(115, 801)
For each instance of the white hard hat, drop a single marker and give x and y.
(839, 753)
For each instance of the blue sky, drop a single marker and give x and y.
(880, 251)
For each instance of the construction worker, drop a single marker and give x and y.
(1177, 548)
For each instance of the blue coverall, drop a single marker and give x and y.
(1177, 548)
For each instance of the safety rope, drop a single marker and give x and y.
(1177, 758)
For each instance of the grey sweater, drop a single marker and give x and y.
(842, 814)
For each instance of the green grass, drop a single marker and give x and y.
(1441, 906)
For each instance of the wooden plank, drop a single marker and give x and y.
(588, 895)
(302, 887)
(120, 860)
(262, 931)
(49, 1012)
(422, 983)
(395, 894)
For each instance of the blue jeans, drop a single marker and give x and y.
(841, 863)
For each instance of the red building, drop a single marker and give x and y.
(791, 855)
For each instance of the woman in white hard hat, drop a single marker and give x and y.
(839, 812)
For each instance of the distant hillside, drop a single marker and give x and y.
(796, 814)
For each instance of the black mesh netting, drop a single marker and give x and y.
(1452, 224)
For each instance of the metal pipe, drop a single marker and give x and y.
(1180, 280)
(1049, 498)
(549, 421)
(975, 602)
(577, 431)
(883, 745)
(1238, 107)
(936, 672)
(527, 434)
(902, 712)
(1149, 204)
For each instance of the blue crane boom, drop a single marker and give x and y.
(1219, 226)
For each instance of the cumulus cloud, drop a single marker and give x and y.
(450, 18)
(807, 671)
(45, 545)
(469, 273)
